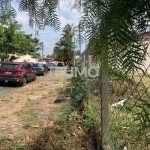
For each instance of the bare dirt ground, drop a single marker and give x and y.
(31, 105)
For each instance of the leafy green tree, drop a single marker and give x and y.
(77, 52)
(64, 49)
(67, 40)
(36, 55)
(58, 56)
(6, 37)
(14, 41)
(49, 56)
(6, 19)
(58, 51)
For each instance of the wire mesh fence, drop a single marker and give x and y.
(128, 125)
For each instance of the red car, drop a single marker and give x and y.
(16, 72)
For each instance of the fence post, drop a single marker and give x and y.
(87, 63)
(104, 101)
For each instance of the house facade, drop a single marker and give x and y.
(26, 58)
(146, 63)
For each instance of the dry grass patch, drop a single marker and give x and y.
(29, 116)
(144, 80)
(32, 112)
(23, 107)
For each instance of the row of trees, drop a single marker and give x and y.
(15, 41)
(65, 48)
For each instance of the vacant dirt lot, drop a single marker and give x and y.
(31, 105)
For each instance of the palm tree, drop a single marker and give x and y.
(67, 41)
(116, 31)
(58, 52)
(41, 13)
(65, 46)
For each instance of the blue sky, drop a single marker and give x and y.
(49, 37)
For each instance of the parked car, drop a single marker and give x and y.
(16, 72)
(60, 64)
(40, 69)
(31, 63)
(51, 66)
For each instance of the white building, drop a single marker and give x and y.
(146, 63)
(26, 58)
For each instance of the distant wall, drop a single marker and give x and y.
(146, 63)
(27, 58)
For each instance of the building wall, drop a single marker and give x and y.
(146, 63)
(26, 58)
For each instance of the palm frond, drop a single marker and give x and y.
(115, 26)
(41, 13)
(6, 10)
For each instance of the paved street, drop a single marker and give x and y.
(6, 89)
(60, 72)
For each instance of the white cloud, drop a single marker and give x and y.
(22, 18)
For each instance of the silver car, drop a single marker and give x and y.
(51, 66)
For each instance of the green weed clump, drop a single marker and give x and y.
(129, 123)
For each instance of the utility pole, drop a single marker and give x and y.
(74, 52)
(42, 52)
(35, 31)
(79, 38)
(35, 44)
(104, 100)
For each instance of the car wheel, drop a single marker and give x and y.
(24, 81)
(43, 74)
(1, 83)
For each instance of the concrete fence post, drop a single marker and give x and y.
(104, 101)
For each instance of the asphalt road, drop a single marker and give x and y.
(6, 89)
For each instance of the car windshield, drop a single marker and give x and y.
(9, 66)
(51, 64)
(37, 65)
(31, 63)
